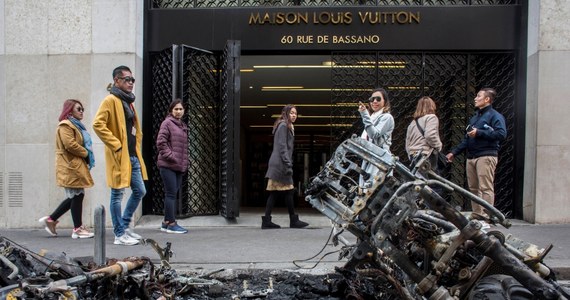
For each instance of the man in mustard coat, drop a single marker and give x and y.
(118, 126)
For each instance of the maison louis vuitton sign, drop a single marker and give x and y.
(335, 18)
(329, 18)
(338, 28)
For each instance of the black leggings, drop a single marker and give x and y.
(74, 204)
(280, 196)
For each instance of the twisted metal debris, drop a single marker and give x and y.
(410, 244)
(28, 275)
(411, 238)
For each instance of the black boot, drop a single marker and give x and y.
(267, 224)
(296, 223)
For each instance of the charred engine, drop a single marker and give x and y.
(410, 236)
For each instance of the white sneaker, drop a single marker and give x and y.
(132, 234)
(81, 233)
(125, 240)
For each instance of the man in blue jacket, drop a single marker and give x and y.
(482, 141)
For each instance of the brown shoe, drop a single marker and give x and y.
(49, 225)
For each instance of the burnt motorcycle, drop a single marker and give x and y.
(409, 237)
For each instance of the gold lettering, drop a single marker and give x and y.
(266, 18)
(385, 17)
(323, 39)
(279, 18)
(303, 17)
(324, 18)
(415, 17)
(335, 18)
(254, 19)
(348, 17)
(355, 39)
(332, 18)
(304, 39)
(401, 17)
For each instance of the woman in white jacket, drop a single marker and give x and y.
(378, 127)
(378, 123)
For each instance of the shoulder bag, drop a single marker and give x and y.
(438, 156)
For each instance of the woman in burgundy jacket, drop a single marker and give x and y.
(172, 144)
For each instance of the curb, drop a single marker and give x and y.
(562, 273)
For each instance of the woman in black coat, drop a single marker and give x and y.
(280, 169)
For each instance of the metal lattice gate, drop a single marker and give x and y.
(230, 124)
(162, 92)
(200, 89)
(452, 80)
(195, 76)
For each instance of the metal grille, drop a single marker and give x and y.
(201, 91)
(229, 145)
(1, 189)
(445, 81)
(499, 71)
(172, 3)
(450, 79)
(161, 68)
(351, 83)
(215, 3)
(192, 75)
(15, 189)
(319, 3)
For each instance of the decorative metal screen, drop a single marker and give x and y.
(318, 3)
(200, 89)
(452, 80)
(229, 131)
(192, 75)
(162, 89)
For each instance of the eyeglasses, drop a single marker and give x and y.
(128, 79)
(377, 98)
(80, 109)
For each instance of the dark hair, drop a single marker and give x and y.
(284, 117)
(384, 93)
(173, 104)
(425, 106)
(119, 71)
(490, 92)
(68, 106)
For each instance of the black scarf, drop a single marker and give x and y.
(127, 99)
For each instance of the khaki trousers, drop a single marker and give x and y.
(480, 179)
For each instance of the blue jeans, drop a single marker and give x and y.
(138, 191)
(172, 181)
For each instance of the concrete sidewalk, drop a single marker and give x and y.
(216, 243)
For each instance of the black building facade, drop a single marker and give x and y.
(209, 54)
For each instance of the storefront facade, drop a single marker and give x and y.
(443, 49)
(50, 52)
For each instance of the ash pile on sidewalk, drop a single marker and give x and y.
(50, 274)
(281, 284)
(28, 275)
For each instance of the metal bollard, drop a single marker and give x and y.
(99, 255)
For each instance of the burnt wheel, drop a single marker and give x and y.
(499, 287)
